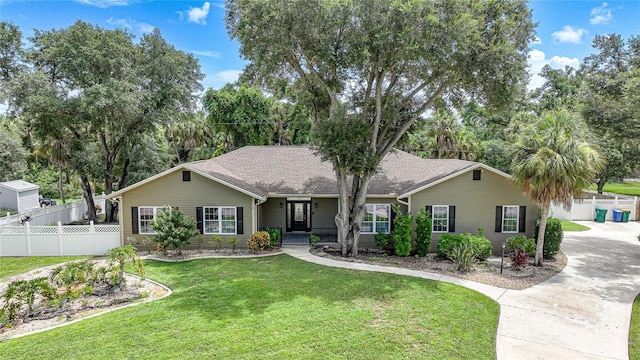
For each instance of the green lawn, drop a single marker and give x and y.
(10, 266)
(571, 226)
(631, 188)
(634, 331)
(280, 308)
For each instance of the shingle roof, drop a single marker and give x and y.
(289, 170)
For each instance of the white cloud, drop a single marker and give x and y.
(197, 15)
(207, 53)
(132, 25)
(569, 35)
(222, 78)
(105, 3)
(538, 59)
(536, 40)
(601, 15)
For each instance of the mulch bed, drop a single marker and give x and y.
(486, 272)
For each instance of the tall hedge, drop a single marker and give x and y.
(423, 233)
(403, 227)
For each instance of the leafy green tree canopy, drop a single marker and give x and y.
(371, 68)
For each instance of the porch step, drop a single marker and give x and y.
(290, 239)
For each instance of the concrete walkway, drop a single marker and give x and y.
(581, 313)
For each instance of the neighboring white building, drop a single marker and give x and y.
(19, 195)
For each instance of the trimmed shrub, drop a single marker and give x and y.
(423, 233)
(447, 242)
(552, 238)
(381, 240)
(521, 242)
(403, 227)
(258, 241)
(480, 245)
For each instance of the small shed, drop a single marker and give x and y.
(19, 195)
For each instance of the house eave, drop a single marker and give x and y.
(186, 167)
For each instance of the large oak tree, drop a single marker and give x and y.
(101, 93)
(372, 68)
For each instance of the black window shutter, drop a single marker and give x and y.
(239, 221)
(522, 219)
(392, 218)
(498, 219)
(429, 210)
(134, 220)
(199, 219)
(452, 218)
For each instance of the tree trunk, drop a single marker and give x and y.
(108, 189)
(541, 231)
(351, 208)
(601, 183)
(88, 198)
(60, 184)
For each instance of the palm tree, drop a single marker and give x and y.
(553, 161)
(443, 127)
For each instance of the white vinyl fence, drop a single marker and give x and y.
(27, 240)
(585, 209)
(64, 213)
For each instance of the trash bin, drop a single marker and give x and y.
(617, 215)
(625, 215)
(601, 215)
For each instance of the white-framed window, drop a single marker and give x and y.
(220, 220)
(146, 216)
(377, 218)
(440, 218)
(510, 218)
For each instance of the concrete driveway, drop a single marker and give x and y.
(583, 312)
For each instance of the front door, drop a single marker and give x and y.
(298, 216)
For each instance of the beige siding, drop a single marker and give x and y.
(272, 215)
(324, 216)
(186, 195)
(476, 202)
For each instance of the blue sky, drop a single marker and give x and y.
(565, 28)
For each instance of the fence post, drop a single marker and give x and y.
(92, 236)
(26, 224)
(615, 204)
(59, 238)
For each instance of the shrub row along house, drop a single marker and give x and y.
(291, 189)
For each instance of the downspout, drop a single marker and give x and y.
(254, 213)
(407, 204)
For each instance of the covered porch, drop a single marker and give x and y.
(298, 217)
